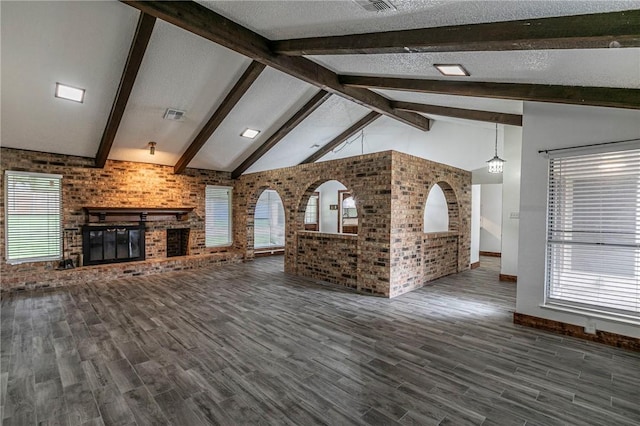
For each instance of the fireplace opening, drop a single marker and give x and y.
(177, 242)
(112, 244)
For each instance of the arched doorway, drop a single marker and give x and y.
(269, 223)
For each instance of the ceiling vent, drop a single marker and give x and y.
(376, 5)
(174, 114)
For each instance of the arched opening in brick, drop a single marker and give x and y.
(269, 223)
(436, 211)
(441, 240)
(266, 221)
(329, 253)
(441, 212)
(331, 208)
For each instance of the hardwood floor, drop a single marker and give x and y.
(247, 344)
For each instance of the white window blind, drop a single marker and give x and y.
(218, 216)
(593, 232)
(311, 213)
(269, 221)
(33, 214)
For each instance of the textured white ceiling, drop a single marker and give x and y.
(308, 18)
(179, 70)
(82, 44)
(85, 44)
(267, 105)
(586, 67)
(334, 116)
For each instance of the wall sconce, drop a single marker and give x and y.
(152, 148)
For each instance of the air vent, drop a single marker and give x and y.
(174, 114)
(376, 5)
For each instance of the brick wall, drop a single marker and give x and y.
(412, 179)
(440, 255)
(118, 184)
(328, 257)
(390, 189)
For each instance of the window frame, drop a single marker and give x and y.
(269, 193)
(60, 247)
(207, 236)
(315, 195)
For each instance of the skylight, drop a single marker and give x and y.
(451, 70)
(70, 93)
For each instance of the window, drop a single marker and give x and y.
(34, 219)
(218, 216)
(593, 231)
(312, 213)
(269, 221)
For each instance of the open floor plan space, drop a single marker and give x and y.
(248, 344)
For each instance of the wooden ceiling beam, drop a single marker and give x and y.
(283, 131)
(598, 30)
(204, 22)
(361, 124)
(466, 114)
(134, 60)
(577, 95)
(243, 84)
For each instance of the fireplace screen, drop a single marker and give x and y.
(111, 244)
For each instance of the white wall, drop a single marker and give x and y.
(329, 195)
(475, 223)
(463, 143)
(436, 211)
(554, 126)
(490, 217)
(511, 200)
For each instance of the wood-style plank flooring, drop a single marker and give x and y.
(246, 344)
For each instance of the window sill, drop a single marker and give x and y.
(593, 313)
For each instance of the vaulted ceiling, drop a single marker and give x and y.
(279, 67)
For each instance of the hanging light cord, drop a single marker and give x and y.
(350, 141)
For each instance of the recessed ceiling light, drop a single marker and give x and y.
(451, 70)
(71, 93)
(250, 133)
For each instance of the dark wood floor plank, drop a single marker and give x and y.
(247, 344)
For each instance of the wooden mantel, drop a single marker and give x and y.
(136, 214)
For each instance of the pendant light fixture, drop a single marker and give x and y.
(496, 164)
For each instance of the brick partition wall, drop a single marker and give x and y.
(390, 189)
(328, 257)
(412, 179)
(367, 177)
(118, 184)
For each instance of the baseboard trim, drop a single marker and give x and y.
(475, 265)
(509, 278)
(276, 252)
(558, 327)
(490, 254)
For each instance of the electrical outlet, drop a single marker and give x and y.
(590, 328)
